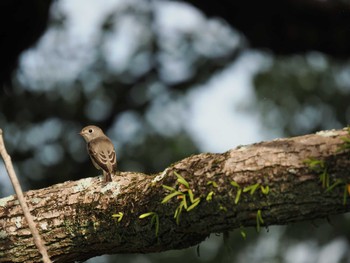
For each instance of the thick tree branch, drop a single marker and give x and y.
(75, 218)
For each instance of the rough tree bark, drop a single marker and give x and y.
(75, 218)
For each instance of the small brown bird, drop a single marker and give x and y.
(101, 151)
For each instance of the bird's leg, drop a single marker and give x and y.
(107, 177)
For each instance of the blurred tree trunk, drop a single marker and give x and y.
(268, 183)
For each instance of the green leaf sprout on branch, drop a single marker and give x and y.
(154, 220)
(259, 220)
(119, 216)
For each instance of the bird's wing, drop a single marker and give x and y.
(102, 152)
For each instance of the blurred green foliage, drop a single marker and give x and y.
(304, 93)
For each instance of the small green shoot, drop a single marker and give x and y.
(336, 183)
(146, 215)
(324, 178)
(194, 204)
(182, 180)
(239, 191)
(168, 188)
(154, 220)
(233, 183)
(319, 166)
(119, 216)
(184, 201)
(190, 194)
(265, 189)
(178, 213)
(238, 195)
(315, 164)
(259, 220)
(243, 233)
(169, 196)
(212, 183)
(221, 207)
(210, 196)
(251, 188)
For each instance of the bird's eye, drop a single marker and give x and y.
(90, 130)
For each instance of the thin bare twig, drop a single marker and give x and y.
(11, 172)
